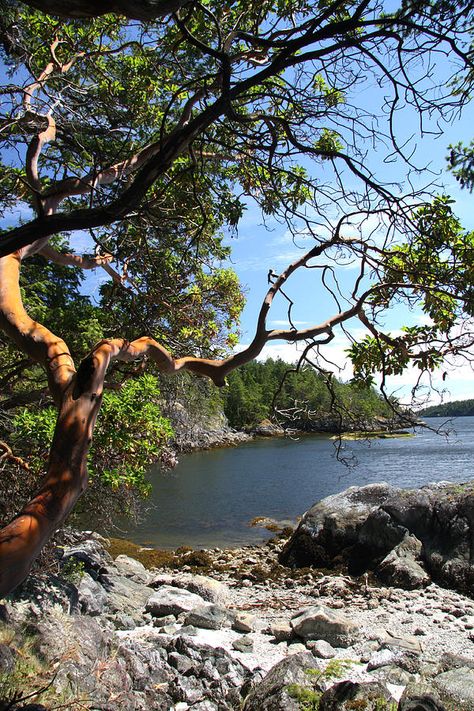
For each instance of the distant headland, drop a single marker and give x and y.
(457, 408)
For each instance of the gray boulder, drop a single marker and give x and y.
(209, 616)
(131, 568)
(420, 696)
(208, 588)
(330, 529)
(172, 601)
(92, 554)
(274, 691)
(282, 631)
(125, 596)
(243, 644)
(243, 622)
(456, 688)
(374, 528)
(401, 568)
(322, 649)
(320, 622)
(92, 596)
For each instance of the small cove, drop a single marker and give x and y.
(211, 496)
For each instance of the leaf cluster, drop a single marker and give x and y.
(130, 436)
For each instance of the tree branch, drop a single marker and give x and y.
(134, 9)
(31, 337)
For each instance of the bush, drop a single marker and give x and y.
(130, 435)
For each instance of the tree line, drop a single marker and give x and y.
(303, 398)
(457, 408)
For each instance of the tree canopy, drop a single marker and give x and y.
(143, 133)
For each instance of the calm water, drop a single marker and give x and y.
(209, 499)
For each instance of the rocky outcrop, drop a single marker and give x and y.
(200, 431)
(266, 428)
(408, 537)
(274, 692)
(347, 695)
(328, 532)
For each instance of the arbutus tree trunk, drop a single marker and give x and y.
(78, 396)
(66, 479)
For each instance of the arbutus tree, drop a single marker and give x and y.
(150, 132)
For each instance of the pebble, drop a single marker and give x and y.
(322, 649)
(243, 644)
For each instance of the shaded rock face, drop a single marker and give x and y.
(273, 692)
(420, 697)
(198, 430)
(401, 568)
(406, 536)
(331, 528)
(347, 695)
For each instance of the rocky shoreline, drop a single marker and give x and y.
(214, 432)
(230, 629)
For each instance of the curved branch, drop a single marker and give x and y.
(8, 454)
(32, 338)
(133, 9)
(75, 260)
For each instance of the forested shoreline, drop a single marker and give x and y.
(304, 399)
(457, 408)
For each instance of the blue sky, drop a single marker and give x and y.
(256, 249)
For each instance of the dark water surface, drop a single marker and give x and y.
(209, 499)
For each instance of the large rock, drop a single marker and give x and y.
(210, 617)
(274, 692)
(348, 695)
(92, 596)
(172, 601)
(125, 596)
(456, 688)
(330, 529)
(91, 554)
(420, 696)
(320, 622)
(364, 525)
(131, 568)
(208, 588)
(401, 567)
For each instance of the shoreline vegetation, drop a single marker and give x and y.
(271, 399)
(457, 408)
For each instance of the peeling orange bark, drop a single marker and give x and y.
(78, 397)
(66, 479)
